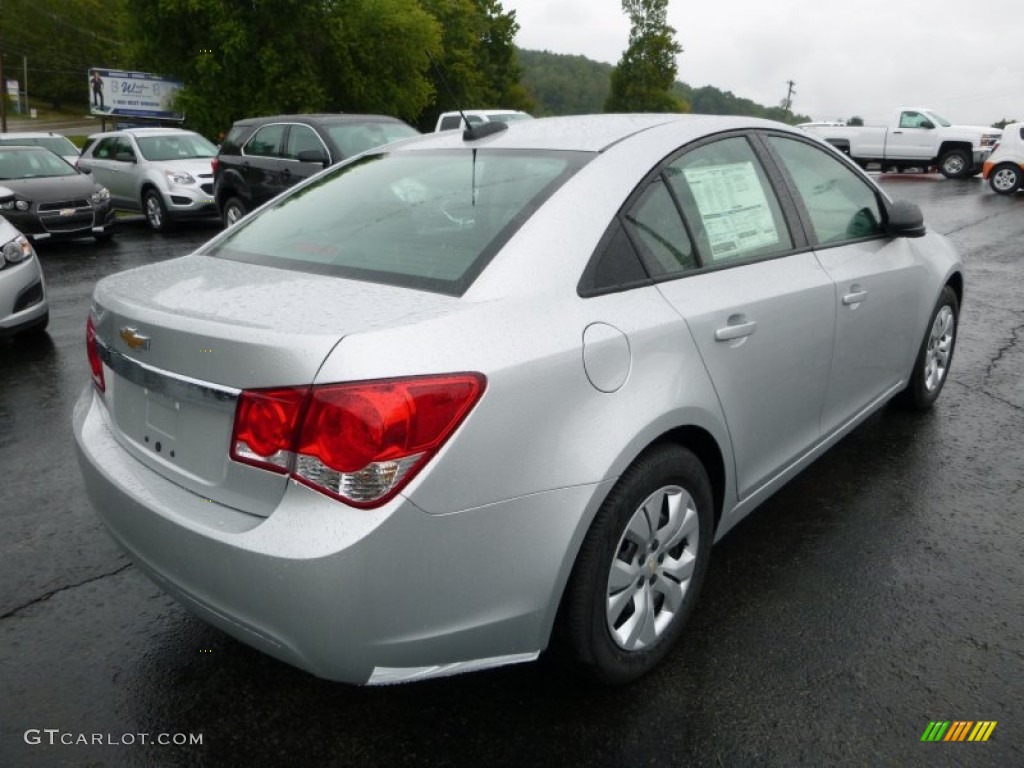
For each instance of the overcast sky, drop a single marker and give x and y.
(861, 57)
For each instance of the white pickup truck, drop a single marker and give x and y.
(915, 138)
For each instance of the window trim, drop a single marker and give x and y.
(280, 148)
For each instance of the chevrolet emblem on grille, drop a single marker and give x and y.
(67, 211)
(134, 339)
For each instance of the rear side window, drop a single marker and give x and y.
(840, 205)
(428, 220)
(266, 142)
(353, 138)
(450, 122)
(654, 223)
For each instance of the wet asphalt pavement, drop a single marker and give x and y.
(880, 590)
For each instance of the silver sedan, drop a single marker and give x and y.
(23, 306)
(479, 395)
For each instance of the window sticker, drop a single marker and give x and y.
(733, 207)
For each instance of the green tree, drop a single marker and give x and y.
(60, 41)
(239, 59)
(643, 79)
(478, 61)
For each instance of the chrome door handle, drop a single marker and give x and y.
(738, 331)
(854, 298)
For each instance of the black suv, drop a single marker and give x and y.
(263, 156)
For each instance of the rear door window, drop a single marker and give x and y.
(266, 142)
(728, 202)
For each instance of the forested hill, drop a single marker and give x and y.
(564, 84)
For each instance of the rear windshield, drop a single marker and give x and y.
(353, 138)
(428, 220)
(175, 147)
(57, 144)
(35, 163)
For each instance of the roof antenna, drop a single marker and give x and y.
(472, 133)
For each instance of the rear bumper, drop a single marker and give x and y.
(360, 596)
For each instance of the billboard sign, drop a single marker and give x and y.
(115, 92)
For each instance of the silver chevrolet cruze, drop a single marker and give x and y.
(467, 398)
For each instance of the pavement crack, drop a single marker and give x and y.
(986, 393)
(47, 595)
(1009, 345)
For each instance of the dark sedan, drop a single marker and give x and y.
(52, 199)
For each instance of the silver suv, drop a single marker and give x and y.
(163, 172)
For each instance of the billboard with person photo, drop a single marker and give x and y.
(115, 92)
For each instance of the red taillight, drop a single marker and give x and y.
(92, 350)
(360, 442)
(265, 425)
(214, 164)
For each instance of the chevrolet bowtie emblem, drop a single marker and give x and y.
(134, 339)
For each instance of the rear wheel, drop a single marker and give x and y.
(156, 213)
(935, 355)
(955, 164)
(234, 209)
(640, 568)
(1005, 179)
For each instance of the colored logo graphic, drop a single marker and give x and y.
(958, 730)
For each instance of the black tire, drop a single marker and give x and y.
(955, 164)
(233, 210)
(590, 627)
(935, 356)
(155, 211)
(1005, 178)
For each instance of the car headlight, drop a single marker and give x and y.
(101, 195)
(16, 251)
(23, 205)
(180, 177)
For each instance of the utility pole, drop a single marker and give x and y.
(787, 103)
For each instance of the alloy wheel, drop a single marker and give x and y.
(940, 347)
(652, 568)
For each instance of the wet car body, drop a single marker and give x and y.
(52, 199)
(23, 305)
(602, 380)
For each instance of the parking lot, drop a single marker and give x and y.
(881, 590)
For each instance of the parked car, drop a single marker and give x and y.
(263, 156)
(1004, 168)
(55, 142)
(447, 121)
(23, 307)
(51, 199)
(455, 402)
(165, 173)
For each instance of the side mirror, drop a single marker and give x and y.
(125, 157)
(927, 124)
(905, 220)
(312, 156)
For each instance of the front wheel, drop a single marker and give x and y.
(640, 568)
(156, 212)
(1005, 179)
(931, 368)
(955, 164)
